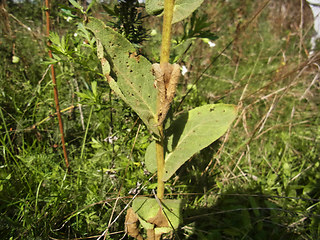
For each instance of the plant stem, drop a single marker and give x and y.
(166, 32)
(160, 164)
(86, 132)
(7, 132)
(55, 90)
(164, 59)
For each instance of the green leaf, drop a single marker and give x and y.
(154, 7)
(15, 59)
(104, 63)
(150, 158)
(86, 95)
(90, 5)
(147, 208)
(190, 133)
(67, 13)
(54, 38)
(130, 76)
(76, 5)
(182, 8)
(83, 31)
(94, 88)
(110, 10)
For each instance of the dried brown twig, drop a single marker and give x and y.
(55, 89)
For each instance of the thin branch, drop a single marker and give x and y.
(55, 89)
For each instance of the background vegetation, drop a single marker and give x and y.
(260, 181)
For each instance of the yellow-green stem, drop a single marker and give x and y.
(164, 59)
(160, 164)
(166, 31)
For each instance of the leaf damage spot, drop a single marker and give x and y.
(159, 220)
(134, 56)
(109, 78)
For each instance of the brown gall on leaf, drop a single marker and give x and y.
(166, 81)
(131, 224)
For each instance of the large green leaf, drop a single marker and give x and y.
(182, 8)
(130, 76)
(190, 133)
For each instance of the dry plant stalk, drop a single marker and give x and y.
(6, 28)
(55, 90)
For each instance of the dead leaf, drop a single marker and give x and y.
(167, 78)
(131, 224)
(150, 234)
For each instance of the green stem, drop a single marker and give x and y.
(166, 31)
(7, 132)
(160, 164)
(86, 132)
(164, 59)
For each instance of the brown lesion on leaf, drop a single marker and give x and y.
(166, 81)
(103, 61)
(134, 56)
(109, 78)
(159, 220)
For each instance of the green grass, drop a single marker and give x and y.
(260, 181)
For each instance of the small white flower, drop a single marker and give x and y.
(184, 70)
(111, 139)
(134, 191)
(211, 44)
(68, 19)
(75, 34)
